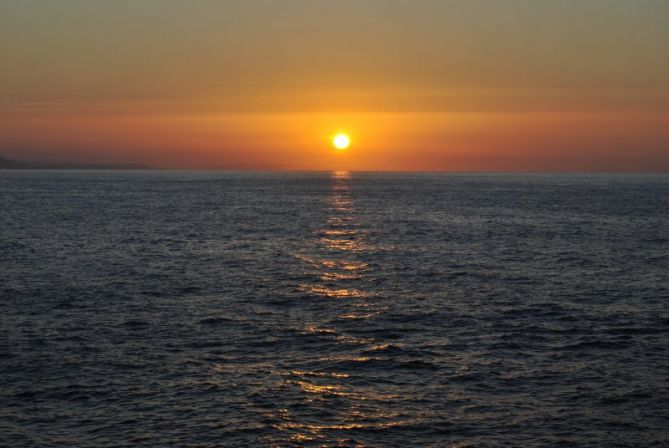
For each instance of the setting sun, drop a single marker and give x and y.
(325, 208)
(341, 141)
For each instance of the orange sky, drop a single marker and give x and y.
(475, 85)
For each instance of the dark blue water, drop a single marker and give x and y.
(333, 309)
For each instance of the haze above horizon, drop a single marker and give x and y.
(433, 85)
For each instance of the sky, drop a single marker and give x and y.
(425, 85)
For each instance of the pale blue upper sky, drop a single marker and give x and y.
(167, 47)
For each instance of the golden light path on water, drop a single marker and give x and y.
(343, 280)
(342, 237)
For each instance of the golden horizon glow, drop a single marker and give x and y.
(341, 141)
(413, 86)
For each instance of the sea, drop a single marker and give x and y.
(333, 309)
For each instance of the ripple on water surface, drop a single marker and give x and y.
(366, 310)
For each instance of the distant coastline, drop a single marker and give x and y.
(9, 164)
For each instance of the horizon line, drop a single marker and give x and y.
(273, 170)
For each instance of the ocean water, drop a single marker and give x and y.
(151, 309)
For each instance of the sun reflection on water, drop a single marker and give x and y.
(336, 269)
(341, 238)
(333, 276)
(334, 293)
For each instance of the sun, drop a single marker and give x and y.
(341, 141)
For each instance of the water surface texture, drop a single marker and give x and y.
(333, 309)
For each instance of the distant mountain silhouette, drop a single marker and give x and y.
(8, 164)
